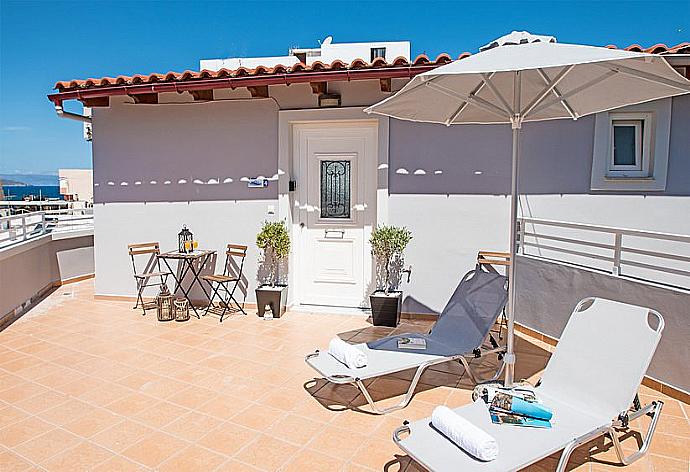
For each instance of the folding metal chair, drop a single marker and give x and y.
(231, 276)
(152, 269)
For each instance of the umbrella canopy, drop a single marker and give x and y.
(522, 77)
(555, 81)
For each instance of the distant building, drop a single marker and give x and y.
(76, 184)
(327, 52)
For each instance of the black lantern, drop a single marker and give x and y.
(185, 239)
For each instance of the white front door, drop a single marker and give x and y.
(336, 169)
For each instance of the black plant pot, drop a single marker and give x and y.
(274, 297)
(385, 308)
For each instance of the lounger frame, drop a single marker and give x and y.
(621, 422)
(653, 410)
(462, 358)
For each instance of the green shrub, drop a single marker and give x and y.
(274, 240)
(387, 245)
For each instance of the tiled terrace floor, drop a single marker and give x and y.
(93, 385)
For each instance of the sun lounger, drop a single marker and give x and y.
(460, 331)
(590, 382)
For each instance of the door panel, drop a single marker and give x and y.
(336, 210)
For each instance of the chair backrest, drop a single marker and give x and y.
(235, 252)
(472, 310)
(138, 249)
(602, 356)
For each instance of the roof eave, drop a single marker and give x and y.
(408, 71)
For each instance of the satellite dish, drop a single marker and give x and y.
(328, 40)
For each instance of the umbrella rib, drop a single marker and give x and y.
(645, 76)
(549, 87)
(576, 90)
(558, 94)
(480, 102)
(487, 80)
(464, 103)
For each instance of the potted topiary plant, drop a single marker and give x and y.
(274, 240)
(387, 246)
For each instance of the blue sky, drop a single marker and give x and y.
(42, 42)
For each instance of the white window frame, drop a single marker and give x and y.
(643, 123)
(651, 174)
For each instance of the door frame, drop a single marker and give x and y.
(351, 116)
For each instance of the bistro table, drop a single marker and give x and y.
(186, 262)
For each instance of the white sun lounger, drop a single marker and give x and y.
(591, 381)
(460, 331)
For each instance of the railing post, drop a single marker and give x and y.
(617, 244)
(43, 223)
(24, 228)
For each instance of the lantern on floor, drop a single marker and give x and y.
(184, 239)
(164, 304)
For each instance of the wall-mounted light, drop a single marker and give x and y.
(329, 100)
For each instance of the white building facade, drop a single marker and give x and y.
(185, 158)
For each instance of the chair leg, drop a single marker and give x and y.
(214, 289)
(654, 410)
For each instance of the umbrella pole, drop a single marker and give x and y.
(516, 121)
(509, 357)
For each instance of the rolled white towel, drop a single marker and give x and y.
(347, 353)
(466, 435)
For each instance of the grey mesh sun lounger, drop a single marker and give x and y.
(460, 331)
(591, 381)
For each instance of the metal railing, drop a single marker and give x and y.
(22, 227)
(657, 257)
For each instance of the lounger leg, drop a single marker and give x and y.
(568, 450)
(408, 395)
(477, 380)
(654, 409)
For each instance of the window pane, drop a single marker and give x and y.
(624, 146)
(335, 189)
(378, 52)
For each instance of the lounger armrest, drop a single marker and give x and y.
(336, 379)
(405, 428)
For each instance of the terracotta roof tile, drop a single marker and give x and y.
(357, 65)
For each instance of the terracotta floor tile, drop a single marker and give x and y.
(119, 464)
(380, 454)
(83, 457)
(10, 462)
(224, 406)
(92, 422)
(341, 443)
(267, 453)
(236, 396)
(258, 417)
(65, 412)
(21, 431)
(312, 460)
(10, 414)
(161, 414)
(228, 438)
(192, 397)
(193, 459)
(154, 449)
(107, 393)
(295, 429)
(192, 426)
(21, 392)
(42, 402)
(131, 404)
(48, 444)
(122, 435)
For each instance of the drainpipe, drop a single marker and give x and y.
(71, 116)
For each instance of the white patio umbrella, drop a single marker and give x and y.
(536, 79)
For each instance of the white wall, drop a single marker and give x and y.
(214, 224)
(78, 183)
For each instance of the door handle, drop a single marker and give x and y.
(340, 233)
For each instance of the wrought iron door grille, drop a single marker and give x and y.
(335, 189)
